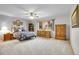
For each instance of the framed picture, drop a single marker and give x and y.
(51, 24)
(75, 18)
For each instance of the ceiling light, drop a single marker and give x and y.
(31, 17)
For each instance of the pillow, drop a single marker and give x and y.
(16, 35)
(22, 37)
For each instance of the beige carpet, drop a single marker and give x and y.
(36, 46)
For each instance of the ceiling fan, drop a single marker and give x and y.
(30, 13)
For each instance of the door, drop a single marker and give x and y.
(31, 27)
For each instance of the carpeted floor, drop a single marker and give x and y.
(36, 46)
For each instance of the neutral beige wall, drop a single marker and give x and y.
(74, 36)
(64, 20)
(7, 21)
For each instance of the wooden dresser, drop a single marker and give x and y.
(8, 36)
(46, 34)
(60, 31)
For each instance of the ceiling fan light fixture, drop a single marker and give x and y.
(31, 17)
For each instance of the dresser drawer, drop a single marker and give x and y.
(46, 34)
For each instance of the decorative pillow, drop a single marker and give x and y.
(22, 37)
(16, 35)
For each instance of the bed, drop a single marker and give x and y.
(19, 31)
(22, 34)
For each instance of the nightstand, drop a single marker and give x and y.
(8, 36)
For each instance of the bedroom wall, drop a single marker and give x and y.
(59, 20)
(74, 36)
(7, 21)
(64, 20)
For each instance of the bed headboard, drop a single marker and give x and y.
(16, 25)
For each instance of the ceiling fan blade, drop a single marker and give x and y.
(26, 13)
(37, 16)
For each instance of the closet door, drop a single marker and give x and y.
(60, 31)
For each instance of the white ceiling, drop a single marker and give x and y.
(43, 10)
